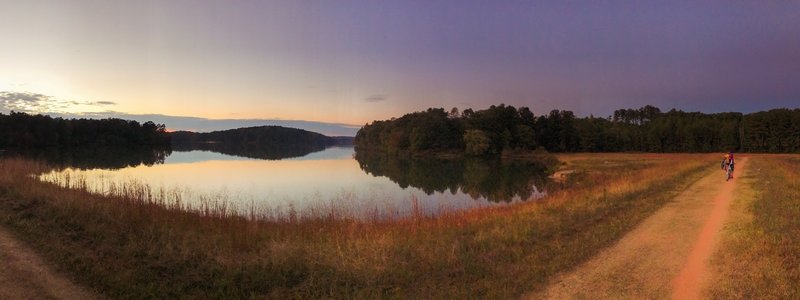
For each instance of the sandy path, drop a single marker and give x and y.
(23, 275)
(665, 256)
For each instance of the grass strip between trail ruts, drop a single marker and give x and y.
(125, 249)
(759, 257)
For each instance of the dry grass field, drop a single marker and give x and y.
(760, 256)
(132, 246)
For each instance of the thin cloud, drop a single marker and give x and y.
(23, 101)
(44, 104)
(40, 103)
(376, 98)
(27, 97)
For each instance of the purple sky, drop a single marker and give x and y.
(350, 62)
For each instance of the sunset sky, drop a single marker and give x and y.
(351, 62)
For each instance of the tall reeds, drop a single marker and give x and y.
(223, 203)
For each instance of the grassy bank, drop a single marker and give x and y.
(127, 247)
(760, 257)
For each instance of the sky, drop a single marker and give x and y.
(346, 63)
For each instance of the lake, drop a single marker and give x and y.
(336, 181)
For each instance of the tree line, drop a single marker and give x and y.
(22, 130)
(25, 132)
(504, 128)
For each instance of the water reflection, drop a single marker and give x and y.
(85, 158)
(493, 179)
(337, 179)
(271, 152)
(112, 158)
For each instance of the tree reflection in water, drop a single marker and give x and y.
(496, 180)
(113, 158)
(97, 157)
(270, 152)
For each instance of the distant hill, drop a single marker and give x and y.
(343, 140)
(264, 142)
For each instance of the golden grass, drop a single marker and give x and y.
(759, 257)
(124, 246)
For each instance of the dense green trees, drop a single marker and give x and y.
(22, 130)
(485, 132)
(777, 130)
(504, 128)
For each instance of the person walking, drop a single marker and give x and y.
(730, 165)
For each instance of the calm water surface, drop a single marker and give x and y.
(363, 185)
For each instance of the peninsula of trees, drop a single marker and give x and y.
(505, 128)
(264, 142)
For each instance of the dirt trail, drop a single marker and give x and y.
(665, 256)
(23, 275)
(690, 280)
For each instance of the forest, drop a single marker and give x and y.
(21, 130)
(503, 129)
